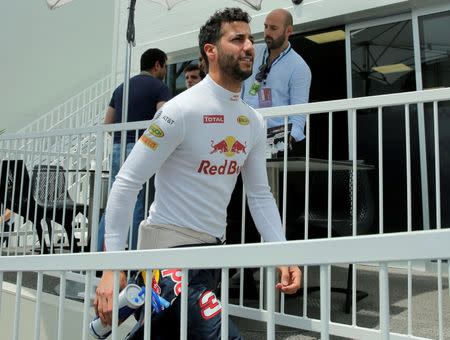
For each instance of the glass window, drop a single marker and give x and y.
(383, 59)
(435, 49)
(435, 59)
(175, 76)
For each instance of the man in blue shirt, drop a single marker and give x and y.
(147, 94)
(280, 75)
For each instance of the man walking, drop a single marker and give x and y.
(197, 145)
(147, 94)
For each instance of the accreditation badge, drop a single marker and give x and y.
(265, 97)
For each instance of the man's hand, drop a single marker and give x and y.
(291, 278)
(103, 302)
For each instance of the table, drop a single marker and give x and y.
(90, 189)
(298, 164)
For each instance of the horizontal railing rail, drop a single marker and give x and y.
(361, 249)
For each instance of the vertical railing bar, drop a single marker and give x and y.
(97, 189)
(17, 308)
(148, 304)
(47, 175)
(284, 208)
(437, 170)
(384, 300)
(25, 239)
(408, 168)
(87, 304)
(354, 182)
(115, 310)
(437, 165)
(224, 298)
(62, 298)
(12, 204)
(95, 204)
(324, 306)
(380, 170)
(261, 288)
(285, 158)
(29, 146)
(5, 196)
(35, 206)
(306, 214)
(184, 304)
(18, 225)
(78, 180)
(270, 303)
(330, 205)
(65, 190)
(440, 302)
(408, 209)
(37, 312)
(38, 180)
(384, 273)
(330, 172)
(241, 270)
(55, 192)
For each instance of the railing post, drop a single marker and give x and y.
(87, 305)
(148, 304)
(224, 299)
(384, 301)
(270, 303)
(184, 304)
(324, 302)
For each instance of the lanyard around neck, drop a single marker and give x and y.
(265, 59)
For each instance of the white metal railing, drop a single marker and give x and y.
(68, 150)
(324, 252)
(84, 109)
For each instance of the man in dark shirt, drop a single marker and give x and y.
(147, 94)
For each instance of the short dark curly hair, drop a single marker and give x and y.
(211, 32)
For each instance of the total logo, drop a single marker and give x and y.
(228, 146)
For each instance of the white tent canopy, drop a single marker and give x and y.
(255, 4)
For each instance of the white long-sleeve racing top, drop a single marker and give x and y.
(197, 144)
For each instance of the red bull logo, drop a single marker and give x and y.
(228, 146)
(227, 168)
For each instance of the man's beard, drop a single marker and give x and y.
(230, 65)
(273, 44)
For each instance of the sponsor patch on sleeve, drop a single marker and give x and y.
(148, 142)
(155, 130)
(168, 120)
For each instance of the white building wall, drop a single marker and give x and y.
(49, 56)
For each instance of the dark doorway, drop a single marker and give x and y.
(327, 63)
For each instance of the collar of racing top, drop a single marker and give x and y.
(220, 91)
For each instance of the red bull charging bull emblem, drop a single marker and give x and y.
(228, 146)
